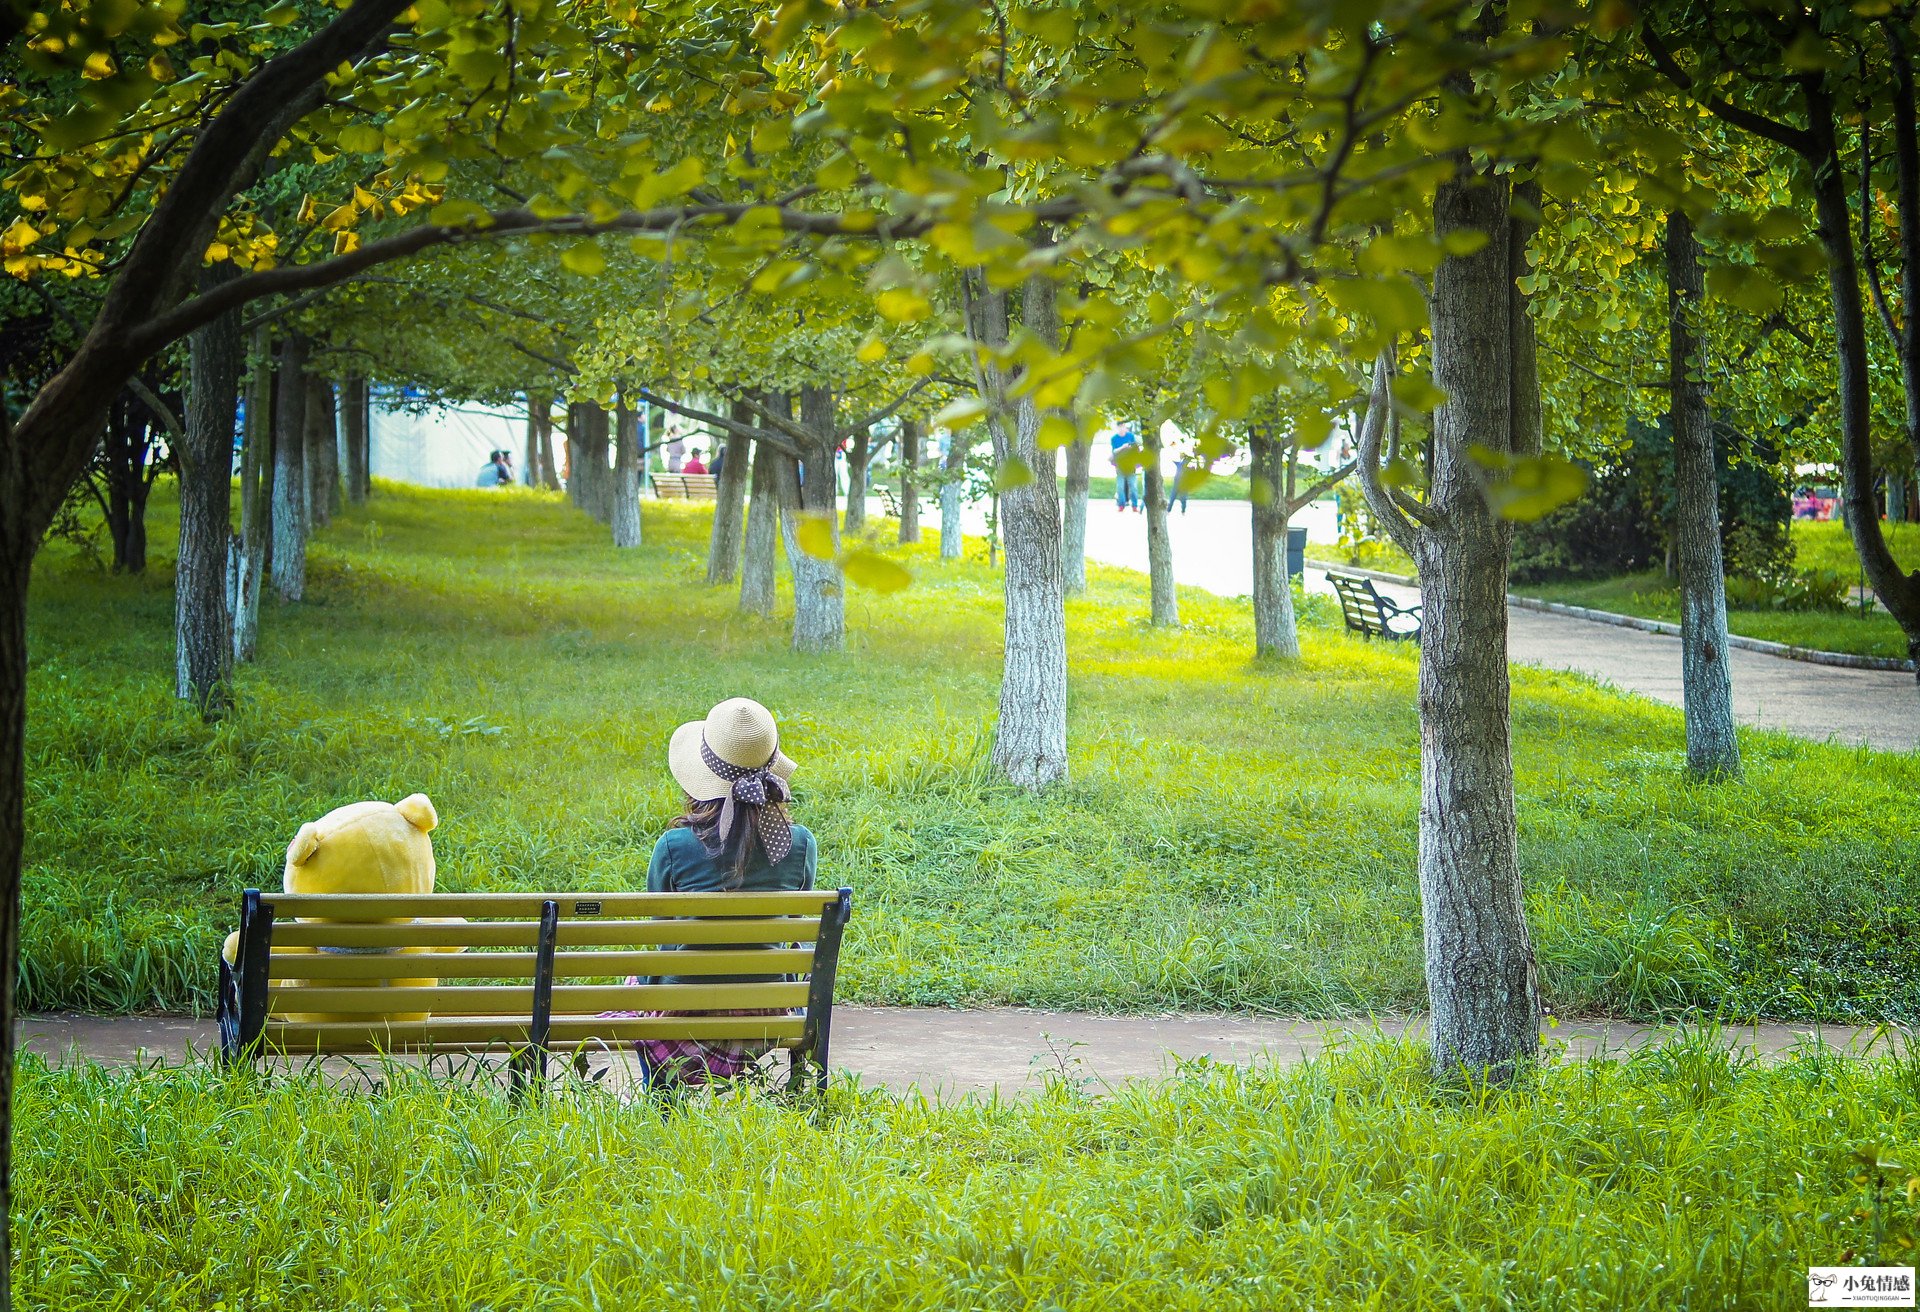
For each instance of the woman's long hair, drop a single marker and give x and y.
(745, 852)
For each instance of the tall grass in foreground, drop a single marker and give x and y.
(1235, 835)
(1680, 1177)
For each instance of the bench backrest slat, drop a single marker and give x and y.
(464, 1033)
(526, 906)
(524, 934)
(495, 1000)
(520, 965)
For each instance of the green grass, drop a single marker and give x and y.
(1680, 1178)
(1825, 545)
(1219, 487)
(1654, 596)
(1235, 836)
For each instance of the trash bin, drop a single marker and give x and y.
(1296, 551)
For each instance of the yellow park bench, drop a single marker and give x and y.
(351, 973)
(686, 487)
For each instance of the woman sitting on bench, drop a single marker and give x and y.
(735, 834)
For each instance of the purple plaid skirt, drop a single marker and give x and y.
(695, 1062)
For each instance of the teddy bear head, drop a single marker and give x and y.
(368, 847)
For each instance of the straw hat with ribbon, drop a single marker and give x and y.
(733, 757)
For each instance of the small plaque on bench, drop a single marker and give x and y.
(586, 908)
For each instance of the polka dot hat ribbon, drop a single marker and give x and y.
(753, 786)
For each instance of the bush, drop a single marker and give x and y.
(1793, 590)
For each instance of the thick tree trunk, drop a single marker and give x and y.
(952, 536)
(1276, 631)
(202, 625)
(1073, 537)
(356, 419)
(1482, 984)
(819, 602)
(1706, 682)
(626, 479)
(126, 449)
(249, 562)
(763, 512)
(290, 471)
(1164, 602)
(729, 507)
(911, 431)
(859, 455)
(1030, 742)
(323, 453)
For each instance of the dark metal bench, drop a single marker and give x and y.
(1367, 612)
(352, 973)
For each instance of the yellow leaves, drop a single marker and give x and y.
(584, 258)
(309, 209)
(280, 15)
(660, 104)
(903, 304)
(99, 67)
(668, 184)
(341, 218)
(870, 569)
(815, 536)
(17, 238)
(961, 414)
(872, 350)
(1055, 432)
(217, 251)
(344, 242)
(160, 68)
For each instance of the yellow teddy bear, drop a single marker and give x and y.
(367, 847)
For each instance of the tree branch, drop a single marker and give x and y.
(1784, 134)
(1397, 518)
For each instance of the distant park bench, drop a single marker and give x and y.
(686, 487)
(1367, 612)
(324, 973)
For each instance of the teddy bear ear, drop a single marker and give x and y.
(304, 844)
(419, 812)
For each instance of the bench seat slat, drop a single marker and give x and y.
(524, 934)
(520, 965)
(526, 906)
(471, 1033)
(568, 999)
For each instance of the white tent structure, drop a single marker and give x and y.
(440, 446)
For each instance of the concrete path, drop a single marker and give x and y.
(1007, 1050)
(1213, 547)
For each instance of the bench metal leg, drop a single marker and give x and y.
(531, 1061)
(814, 1053)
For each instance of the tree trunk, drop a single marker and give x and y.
(578, 476)
(729, 506)
(1896, 499)
(1276, 632)
(1073, 537)
(952, 536)
(910, 433)
(819, 603)
(859, 454)
(202, 626)
(1165, 603)
(323, 452)
(1706, 682)
(625, 487)
(548, 475)
(756, 566)
(250, 561)
(126, 448)
(1030, 742)
(290, 471)
(1898, 591)
(356, 406)
(530, 462)
(1481, 979)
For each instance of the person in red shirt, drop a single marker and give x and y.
(694, 464)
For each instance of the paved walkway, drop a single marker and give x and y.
(999, 1049)
(1213, 548)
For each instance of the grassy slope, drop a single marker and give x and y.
(1233, 837)
(1677, 1179)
